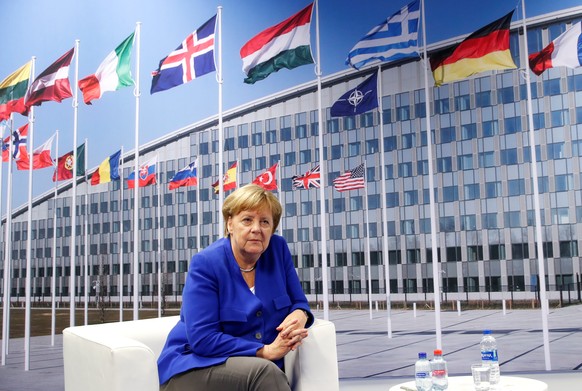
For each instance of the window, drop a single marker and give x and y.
(408, 141)
(450, 193)
(448, 134)
(489, 220)
(512, 125)
(472, 191)
(445, 164)
(509, 156)
(490, 128)
(564, 182)
(492, 189)
(405, 170)
(447, 224)
(468, 223)
(487, 159)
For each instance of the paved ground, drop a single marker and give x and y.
(369, 360)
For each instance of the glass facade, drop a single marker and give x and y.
(485, 218)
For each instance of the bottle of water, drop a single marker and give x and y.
(422, 373)
(438, 366)
(489, 357)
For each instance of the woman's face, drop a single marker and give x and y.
(250, 232)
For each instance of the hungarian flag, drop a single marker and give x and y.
(19, 137)
(108, 170)
(185, 177)
(52, 84)
(268, 179)
(228, 181)
(486, 49)
(285, 45)
(13, 90)
(565, 51)
(113, 73)
(147, 174)
(65, 164)
(41, 157)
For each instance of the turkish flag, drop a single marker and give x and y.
(268, 179)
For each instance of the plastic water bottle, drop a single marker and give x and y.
(489, 357)
(422, 373)
(438, 366)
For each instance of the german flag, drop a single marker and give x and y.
(486, 49)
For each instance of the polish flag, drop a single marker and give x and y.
(41, 157)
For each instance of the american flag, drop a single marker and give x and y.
(307, 180)
(350, 180)
(192, 59)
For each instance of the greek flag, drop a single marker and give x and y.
(392, 40)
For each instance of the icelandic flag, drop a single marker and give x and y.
(394, 39)
(358, 100)
(565, 51)
(192, 59)
(147, 174)
(185, 177)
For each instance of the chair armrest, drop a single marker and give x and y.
(313, 366)
(97, 359)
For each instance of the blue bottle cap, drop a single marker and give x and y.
(422, 355)
(486, 331)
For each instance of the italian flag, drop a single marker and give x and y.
(285, 45)
(113, 73)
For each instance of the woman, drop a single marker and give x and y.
(243, 308)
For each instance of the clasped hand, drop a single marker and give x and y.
(292, 331)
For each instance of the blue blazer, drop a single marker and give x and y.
(221, 317)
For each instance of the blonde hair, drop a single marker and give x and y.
(251, 197)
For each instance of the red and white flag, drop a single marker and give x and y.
(41, 157)
(268, 179)
(52, 84)
(565, 51)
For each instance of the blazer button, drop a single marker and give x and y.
(258, 336)
(259, 314)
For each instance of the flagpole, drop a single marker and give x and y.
(280, 196)
(322, 170)
(54, 252)
(7, 252)
(86, 236)
(433, 227)
(199, 174)
(159, 250)
(136, 93)
(536, 199)
(120, 285)
(368, 261)
(220, 132)
(27, 282)
(72, 287)
(385, 252)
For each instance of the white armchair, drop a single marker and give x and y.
(123, 356)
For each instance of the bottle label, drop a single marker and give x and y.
(439, 372)
(422, 375)
(489, 355)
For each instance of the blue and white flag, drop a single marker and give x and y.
(394, 39)
(358, 100)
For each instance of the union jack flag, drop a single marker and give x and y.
(192, 59)
(19, 137)
(307, 180)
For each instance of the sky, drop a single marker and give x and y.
(48, 29)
